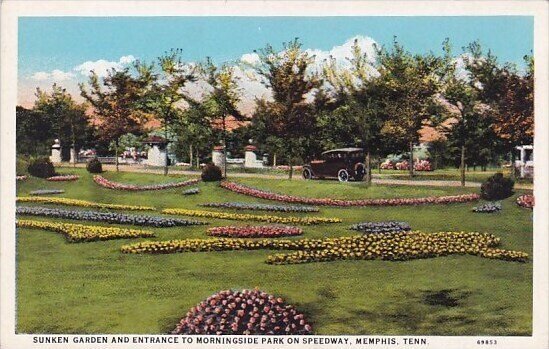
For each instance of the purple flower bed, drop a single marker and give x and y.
(46, 191)
(261, 207)
(381, 227)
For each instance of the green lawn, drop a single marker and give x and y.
(93, 288)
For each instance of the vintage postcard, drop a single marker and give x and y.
(271, 174)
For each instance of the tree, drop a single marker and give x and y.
(67, 119)
(288, 119)
(34, 132)
(114, 101)
(223, 99)
(164, 90)
(409, 84)
(194, 133)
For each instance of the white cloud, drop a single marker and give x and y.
(101, 67)
(59, 75)
(250, 58)
(40, 76)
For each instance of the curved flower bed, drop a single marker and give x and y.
(526, 201)
(81, 203)
(261, 207)
(191, 191)
(385, 246)
(489, 207)
(251, 217)
(84, 233)
(246, 312)
(381, 227)
(63, 178)
(265, 231)
(102, 181)
(21, 178)
(45, 192)
(109, 217)
(242, 189)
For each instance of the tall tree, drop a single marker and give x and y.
(164, 89)
(290, 117)
(223, 99)
(114, 101)
(410, 84)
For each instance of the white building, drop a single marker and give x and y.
(524, 161)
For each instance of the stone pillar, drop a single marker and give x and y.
(156, 156)
(217, 156)
(250, 158)
(56, 152)
(73, 156)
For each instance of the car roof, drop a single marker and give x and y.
(343, 150)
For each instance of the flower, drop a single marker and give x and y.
(45, 192)
(100, 180)
(75, 202)
(381, 227)
(250, 312)
(489, 207)
(98, 216)
(250, 217)
(191, 191)
(63, 178)
(261, 207)
(526, 201)
(21, 178)
(255, 231)
(84, 233)
(242, 189)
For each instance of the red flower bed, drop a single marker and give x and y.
(131, 187)
(63, 178)
(263, 231)
(242, 189)
(249, 312)
(526, 201)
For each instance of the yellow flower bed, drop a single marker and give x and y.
(251, 217)
(84, 233)
(81, 203)
(385, 246)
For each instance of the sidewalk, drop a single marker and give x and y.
(376, 179)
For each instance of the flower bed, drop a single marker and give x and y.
(246, 312)
(102, 181)
(489, 207)
(242, 189)
(191, 191)
(526, 201)
(265, 231)
(44, 192)
(422, 165)
(251, 217)
(63, 178)
(84, 233)
(381, 227)
(21, 178)
(261, 207)
(385, 246)
(81, 203)
(109, 217)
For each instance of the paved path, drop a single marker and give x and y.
(377, 179)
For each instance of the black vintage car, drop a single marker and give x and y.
(343, 164)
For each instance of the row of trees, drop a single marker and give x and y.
(482, 108)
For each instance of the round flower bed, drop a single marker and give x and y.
(385, 246)
(84, 233)
(261, 207)
(246, 312)
(64, 178)
(21, 178)
(81, 203)
(109, 217)
(265, 231)
(489, 207)
(251, 217)
(381, 227)
(43, 192)
(102, 181)
(242, 189)
(191, 191)
(526, 201)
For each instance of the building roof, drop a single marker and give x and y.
(156, 140)
(344, 150)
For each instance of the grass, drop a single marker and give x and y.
(92, 288)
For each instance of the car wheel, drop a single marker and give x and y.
(307, 174)
(343, 175)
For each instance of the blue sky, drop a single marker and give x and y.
(63, 43)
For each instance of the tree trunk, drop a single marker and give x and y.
(197, 160)
(411, 165)
(462, 165)
(291, 170)
(224, 148)
(191, 155)
(166, 152)
(116, 153)
(274, 160)
(513, 170)
(368, 168)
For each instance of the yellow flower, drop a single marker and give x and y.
(81, 203)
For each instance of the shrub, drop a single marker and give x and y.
(497, 187)
(41, 167)
(211, 173)
(94, 166)
(21, 166)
